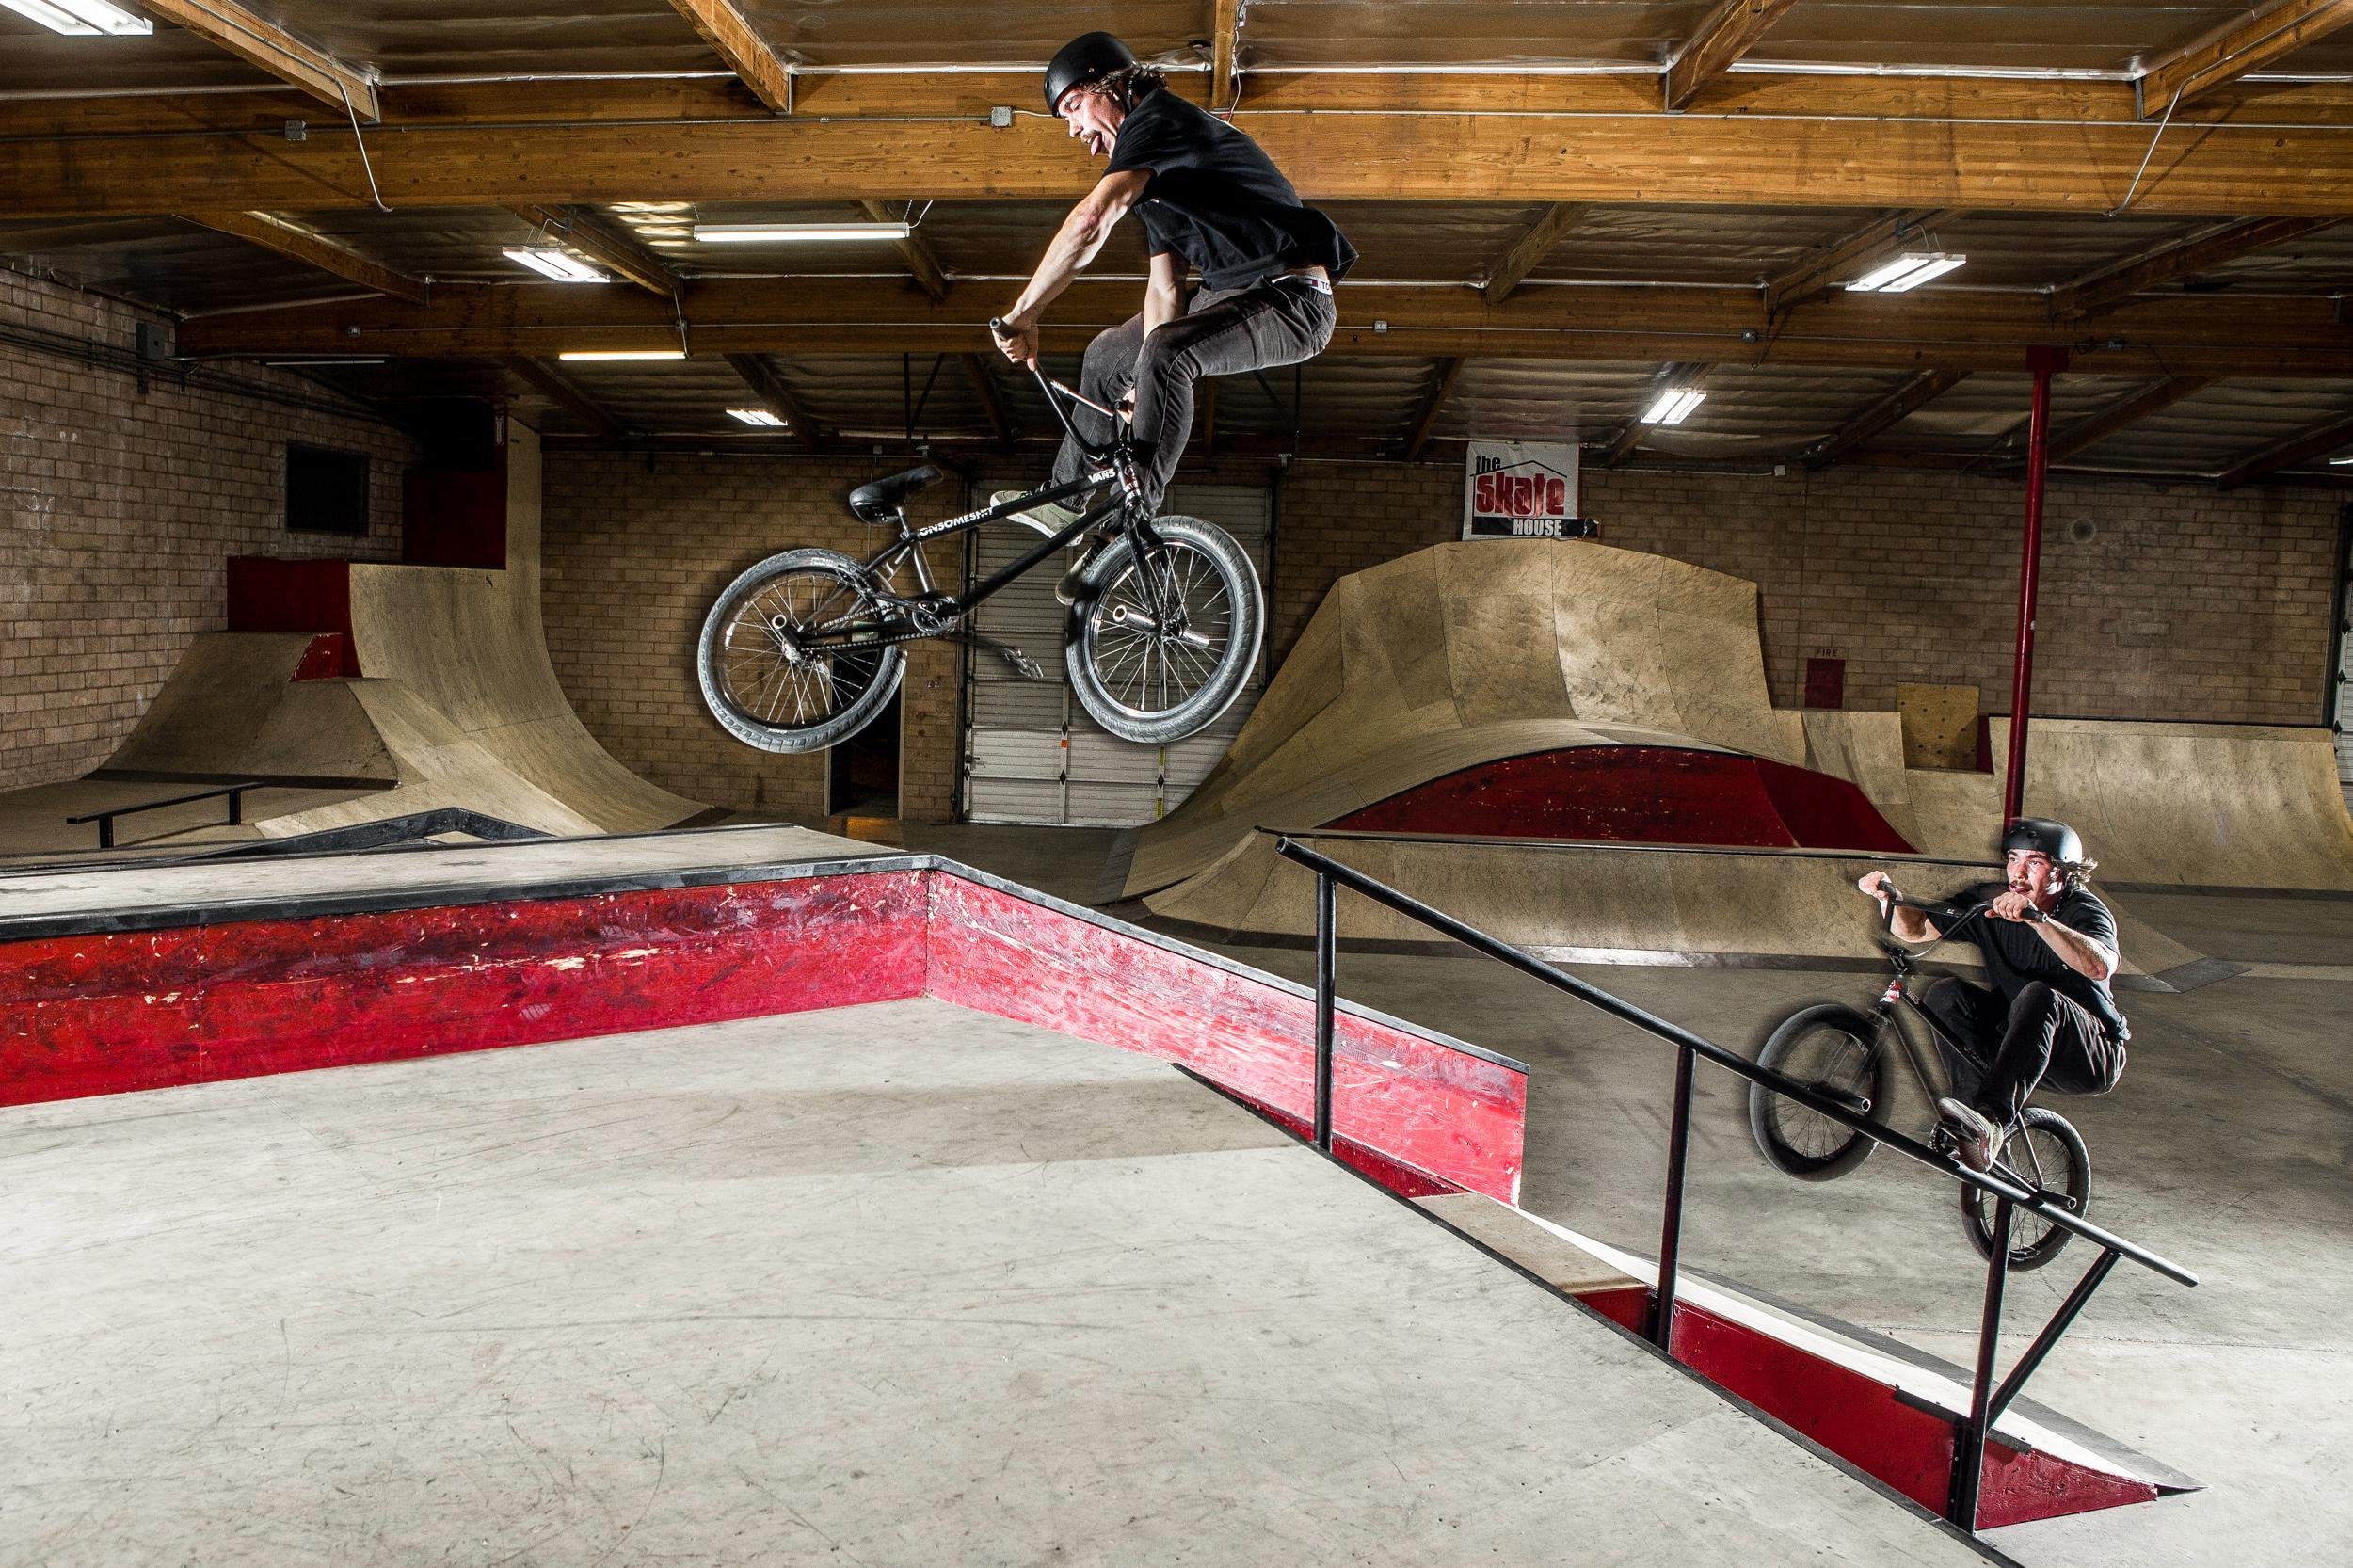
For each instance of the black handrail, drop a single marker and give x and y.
(1987, 1404)
(105, 820)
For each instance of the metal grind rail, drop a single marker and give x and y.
(1986, 1401)
(105, 820)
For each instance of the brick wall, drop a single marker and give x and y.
(636, 552)
(118, 507)
(2176, 602)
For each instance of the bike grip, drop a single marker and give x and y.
(996, 324)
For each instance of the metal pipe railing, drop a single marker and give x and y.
(1986, 1401)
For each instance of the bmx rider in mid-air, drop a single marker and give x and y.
(2050, 950)
(1211, 203)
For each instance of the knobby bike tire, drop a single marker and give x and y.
(1083, 637)
(1766, 1108)
(2072, 1181)
(878, 679)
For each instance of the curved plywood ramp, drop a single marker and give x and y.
(1471, 652)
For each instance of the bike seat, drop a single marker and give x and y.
(879, 501)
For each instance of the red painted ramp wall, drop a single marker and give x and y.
(1642, 794)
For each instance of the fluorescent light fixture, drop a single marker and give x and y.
(785, 233)
(82, 17)
(584, 356)
(561, 265)
(1906, 272)
(1675, 405)
(2345, 461)
(761, 417)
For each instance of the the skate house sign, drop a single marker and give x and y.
(1518, 490)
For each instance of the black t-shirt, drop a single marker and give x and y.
(2015, 956)
(1217, 200)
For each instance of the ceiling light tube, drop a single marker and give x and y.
(550, 263)
(1905, 273)
(785, 233)
(584, 356)
(82, 17)
(1675, 405)
(761, 417)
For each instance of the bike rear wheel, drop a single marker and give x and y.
(2044, 1151)
(1160, 643)
(761, 686)
(1834, 1050)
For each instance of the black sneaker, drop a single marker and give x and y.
(1975, 1139)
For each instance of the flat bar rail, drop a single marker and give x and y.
(105, 820)
(1986, 1401)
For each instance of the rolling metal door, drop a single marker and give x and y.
(2342, 710)
(1031, 754)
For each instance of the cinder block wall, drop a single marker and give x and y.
(116, 509)
(637, 550)
(2175, 602)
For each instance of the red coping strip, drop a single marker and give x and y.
(1863, 1422)
(1444, 1112)
(102, 1014)
(1639, 794)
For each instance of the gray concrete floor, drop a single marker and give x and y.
(2229, 1147)
(898, 1285)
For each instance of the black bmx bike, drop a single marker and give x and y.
(1847, 1053)
(806, 648)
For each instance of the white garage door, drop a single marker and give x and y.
(1031, 754)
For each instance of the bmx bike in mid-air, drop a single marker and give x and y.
(1844, 1054)
(806, 648)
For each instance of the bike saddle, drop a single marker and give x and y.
(879, 501)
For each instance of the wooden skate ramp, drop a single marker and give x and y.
(1471, 652)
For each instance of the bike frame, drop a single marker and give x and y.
(1112, 461)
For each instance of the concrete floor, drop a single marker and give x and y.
(2229, 1147)
(889, 1285)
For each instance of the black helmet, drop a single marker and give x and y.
(1085, 59)
(2062, 843)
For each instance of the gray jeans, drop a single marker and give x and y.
(1279, 322)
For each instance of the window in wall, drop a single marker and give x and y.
(326, 491)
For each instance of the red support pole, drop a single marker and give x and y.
(2045, 362)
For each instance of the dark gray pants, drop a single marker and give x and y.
(1279, 322)
(2039, 1036)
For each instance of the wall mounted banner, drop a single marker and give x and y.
(1521, 491)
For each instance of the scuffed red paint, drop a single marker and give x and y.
(1862, 1420)
(1640, 794)
(329, 657)
(105, 1013)
(1395, 1174)
(1441, 1111)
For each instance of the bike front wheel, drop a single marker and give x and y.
(1161, 641)
(2044, 1151)
(768, 691)
(1833, 1051)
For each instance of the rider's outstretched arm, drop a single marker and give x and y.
(1077, 242)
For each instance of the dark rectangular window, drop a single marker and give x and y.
(326, 491)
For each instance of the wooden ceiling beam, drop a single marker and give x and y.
(2252, 337)
(1833, 265)
(1884, 415)
(1722, 40)
(313, 250)
(1449, 372)
(604, 242)
(564, 392)
(229, 25)
(1531, 248)
(2123, 414)
(734, 40)
(1712, 159)
(2316, 443)
(1225, 55)
(2099, 290)
(774, 391)
(2248, 42)
(922, 261)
